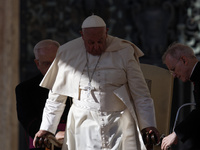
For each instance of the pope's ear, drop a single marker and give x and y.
(83, 37)
(36, 62)
(107, 30)
(81, 32)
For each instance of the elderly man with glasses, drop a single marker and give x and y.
(183, 64)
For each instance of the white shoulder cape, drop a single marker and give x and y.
(64, 74)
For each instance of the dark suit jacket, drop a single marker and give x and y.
(188, 131)
(31, 100)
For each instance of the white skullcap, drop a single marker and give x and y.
(93, 21)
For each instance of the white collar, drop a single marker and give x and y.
(193, 69)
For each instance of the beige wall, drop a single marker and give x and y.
(9, 52)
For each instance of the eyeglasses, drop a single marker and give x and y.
(174, 68)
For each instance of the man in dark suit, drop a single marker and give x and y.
(31, 98)
(183, 64)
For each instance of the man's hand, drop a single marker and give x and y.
(60, 135)
(169, 140)
(40, 140)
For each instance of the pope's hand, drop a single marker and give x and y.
(152, 131)
(60, 135)
(39, 139)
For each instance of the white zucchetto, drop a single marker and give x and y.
(93, 21)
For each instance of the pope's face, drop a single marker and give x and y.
(95, 40)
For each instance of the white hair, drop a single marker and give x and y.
(44, 44)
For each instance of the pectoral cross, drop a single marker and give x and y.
(89, 89)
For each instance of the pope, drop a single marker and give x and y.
(111, 100)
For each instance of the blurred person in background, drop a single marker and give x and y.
(31, 98)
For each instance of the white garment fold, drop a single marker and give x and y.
(52, 112)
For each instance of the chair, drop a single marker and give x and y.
(160, 84)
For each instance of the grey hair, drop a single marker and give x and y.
(176, 50)
(44, 44)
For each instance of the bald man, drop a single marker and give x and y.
(111, 101)
(31, 97)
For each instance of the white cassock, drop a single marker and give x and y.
(111, 114)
